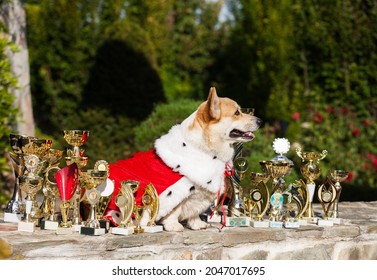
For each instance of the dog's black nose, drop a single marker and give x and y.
(259, 122)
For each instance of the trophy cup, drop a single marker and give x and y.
(76, 138)
(139, 213)
(126, 202)
(310, 171)
(15, 207)
(338, 176)
(327, 194)
(30, 184)
(236, 209)
(258, 202)
(151, 202)
(296, 203)
(94, 178)
(66, 180)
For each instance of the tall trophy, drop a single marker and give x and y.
(151, 203)
(76, 138)
(310, 171)
(94, 178)
(259, 200)
(30, 184)
(67, 180)
(337, 176)
(126, 202)
(15, 207)
(326, 195)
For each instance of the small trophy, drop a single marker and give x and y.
(338, 176)
(326, 195)
(94, 178)
(151, 202)
(67, 181)
(126, 202)
(310, 171)
(296, 203)
(275, 214)
(259, 201)
(139, 213)
(30, 184)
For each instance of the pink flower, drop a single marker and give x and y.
(318, 118)
(350, 177)
(295, 116)
(355, 132)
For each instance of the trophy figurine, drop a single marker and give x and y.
(66, 180)
(94, 178)
(30, 184)
(151, 202)
(139, 213)
(258, 202)
(126, 202)
(297, 201)
(310, 171)
(338, 176)
(326, 195)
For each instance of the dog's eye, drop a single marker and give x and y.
(237, 113)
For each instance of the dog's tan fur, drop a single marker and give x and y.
(210, 132)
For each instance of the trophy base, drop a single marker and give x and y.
(105, 224)
(260, 224)
(122, 231)
(325, 223)
(237, 221)
(291, 224)
(76, 228)
(303, 222)
(311, 220)
(64, 230)
(24, 226)
(49, 225)
(92, 231)
(274, 224)
(214, 219)
(153, 229)
(336, 221)
(12, 217)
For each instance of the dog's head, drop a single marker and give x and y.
(222, 121)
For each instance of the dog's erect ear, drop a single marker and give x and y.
(213, 104)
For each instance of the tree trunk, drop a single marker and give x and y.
(13, 15)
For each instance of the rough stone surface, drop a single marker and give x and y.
(356, 238)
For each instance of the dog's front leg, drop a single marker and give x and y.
(196, 223)
(170, 222)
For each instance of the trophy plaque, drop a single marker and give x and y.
(258, 202)
(151, 202)
(66, 180)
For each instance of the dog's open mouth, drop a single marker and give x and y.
(235, 133)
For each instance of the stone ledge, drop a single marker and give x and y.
(355, 239)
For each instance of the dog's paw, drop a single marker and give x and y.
(173, 227)
(197, 224)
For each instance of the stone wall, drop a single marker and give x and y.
(356, 238)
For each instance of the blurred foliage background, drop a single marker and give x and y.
(127, 70)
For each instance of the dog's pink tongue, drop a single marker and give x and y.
(249, 134)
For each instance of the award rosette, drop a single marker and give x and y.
(67, 180)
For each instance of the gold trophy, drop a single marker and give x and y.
(151, 202)
(258, 202)
(15, 207)
(30, 184)
(139, 213)
(67, 180)
(310, 171)
(126, 202)
(93, 178)
(326, 195)
(297, 201)
(76, 138)
(338, 176)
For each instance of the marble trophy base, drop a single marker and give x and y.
(64, 230)
(105, 224)
(77, 227)
(311, 220)
(325, 223)
(153, 229)
(291, 224)
(214, 219)
(92, 231)
(260, 224)
(25, 226)
(49, 225)
(122, 230)
(276, 224)
(336, 221)
(237, 221)
(12, 217)
(303, 222)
